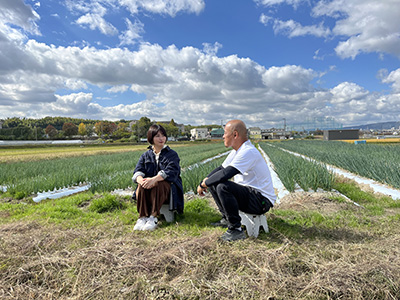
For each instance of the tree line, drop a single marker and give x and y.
(66, 128)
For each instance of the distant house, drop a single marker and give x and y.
(255, 132)
(274, 133)
(341, 134)
(199, 133)
(217, 133)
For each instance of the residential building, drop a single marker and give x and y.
(254, 132)
(199, 133)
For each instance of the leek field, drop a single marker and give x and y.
(378, 162)
(320, 245)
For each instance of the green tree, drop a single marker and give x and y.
(171, 128)
(89, 129)
(141, 127)
(122, 131)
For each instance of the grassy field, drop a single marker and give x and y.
(320, 246)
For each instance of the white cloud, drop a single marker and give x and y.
(167, 7)
(75, 84)
(347, 92)
(95, 20)
(132, 34)
(372, 26)
(187, 84)
(72, 104)
(118, 89)
(294, 3)
(288, 79)
(94, 13)
(191, 85)
(18, 13)
(211, 49)
(368, 25)
(394, 79)
(294, 29)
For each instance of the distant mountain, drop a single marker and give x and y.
(376, 126)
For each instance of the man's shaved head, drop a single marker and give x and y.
(239, 126)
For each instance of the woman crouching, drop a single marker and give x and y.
(157, 174)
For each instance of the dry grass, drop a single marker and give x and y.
(39, 260)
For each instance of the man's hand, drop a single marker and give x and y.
(202, 187)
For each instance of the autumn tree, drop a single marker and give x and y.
(70, 129)
(103, 127)
(82, 129)
(51, 131)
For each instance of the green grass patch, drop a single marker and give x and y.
(107, 203)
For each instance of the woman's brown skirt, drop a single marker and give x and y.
(149, 201)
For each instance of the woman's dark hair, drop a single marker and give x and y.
(153, 130)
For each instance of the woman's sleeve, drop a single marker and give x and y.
(139, 169)
(170, 167)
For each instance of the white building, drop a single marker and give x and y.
(199, 133)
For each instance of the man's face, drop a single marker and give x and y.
(228, 136)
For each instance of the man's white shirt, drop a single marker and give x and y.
(254, 171)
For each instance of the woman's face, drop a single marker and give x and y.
(159, 139)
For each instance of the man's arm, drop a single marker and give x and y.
(221, 175)
(218, 175)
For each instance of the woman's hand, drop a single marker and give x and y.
(149, 182)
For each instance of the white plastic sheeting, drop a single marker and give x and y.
(376, 186)
(61, 192)
(280, 189)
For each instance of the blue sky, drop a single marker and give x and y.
(200, 62)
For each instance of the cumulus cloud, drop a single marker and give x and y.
(368, 25)
(191, 85)
(294, 29)
(372, 26)
(132, 34)
(392, 78)
(72, 104)
(93, 14)
(18, 13)
(168, 7)
(347, 92)
(118, 89)
(95, 20)
(294, 3)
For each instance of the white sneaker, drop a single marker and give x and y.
(140, 223)
(151, 223)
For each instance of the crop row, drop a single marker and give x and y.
(295, 171)
(105, 172)
(378, 162)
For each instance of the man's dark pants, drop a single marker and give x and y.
(231, 197)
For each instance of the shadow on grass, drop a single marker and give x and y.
(198, 213)
(281, 229)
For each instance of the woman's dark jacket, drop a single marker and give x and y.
(168, 162)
